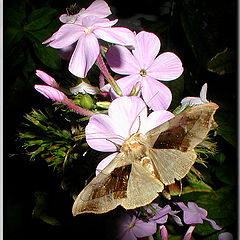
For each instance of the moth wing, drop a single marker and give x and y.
(107, 190)
(172, 164)
(142, 189)
(186, 130)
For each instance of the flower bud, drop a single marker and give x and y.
(86, 101)
(51, 92)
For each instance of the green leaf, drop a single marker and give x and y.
(223, 62)
(40, 209)
(227, 126)
(40, 18)
(226, 174)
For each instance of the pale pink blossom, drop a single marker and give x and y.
(126, 115)
(86, 36)
(131, 228)
(143, 65)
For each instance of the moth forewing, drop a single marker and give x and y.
(186, 130)
(98, 195)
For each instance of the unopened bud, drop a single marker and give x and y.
(86, 101)
(136, 89)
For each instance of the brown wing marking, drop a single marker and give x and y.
(185, 131)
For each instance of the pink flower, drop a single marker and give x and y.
(86, 35)
(143, 65)
(192, 214)
(126, 115)
(58, 96)
(98, 8)
(131, 228)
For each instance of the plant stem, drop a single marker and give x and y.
(107, 75)
(76, 108)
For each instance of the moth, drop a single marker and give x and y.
(147, 163)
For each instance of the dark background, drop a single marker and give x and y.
(195, 30)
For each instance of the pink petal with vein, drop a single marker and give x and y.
(105, 162)
(127, 113)
(98, 8)
(101, 135)
(84, 55)
(167, 66)
(156, 94)
(121, 60)
(147, 46)
(144, 229)
(66, 35)
(117, 35)
(155, 119)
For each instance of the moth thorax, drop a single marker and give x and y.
(135, 145)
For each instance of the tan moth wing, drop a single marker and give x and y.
(146, 163)
(173, 142)
(122, 182)
(186, 130)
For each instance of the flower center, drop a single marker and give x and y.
(131, 225)
(143, 73)
(88, 30)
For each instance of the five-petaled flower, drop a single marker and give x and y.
(86, 36)
(126, 115)
(143, 65)
(131, 228)
(193, 214)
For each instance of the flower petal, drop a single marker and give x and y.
(164, 232)
(84, 55)
(121, 60)
(98, 8)
(66, 35)
(147, 46)
(126, 84)
(105, 162)
(155, 119)
(144, 229)
(127, 113)
(156, 95)
(117, 35)
(189, 232)
(203, 93)
(213, 223)
(167, 66)
(101, 135)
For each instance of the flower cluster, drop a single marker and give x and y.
(132, 227)
(139, 100)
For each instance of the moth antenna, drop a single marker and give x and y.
(118, 146)
(105, 133)
(139, 116)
